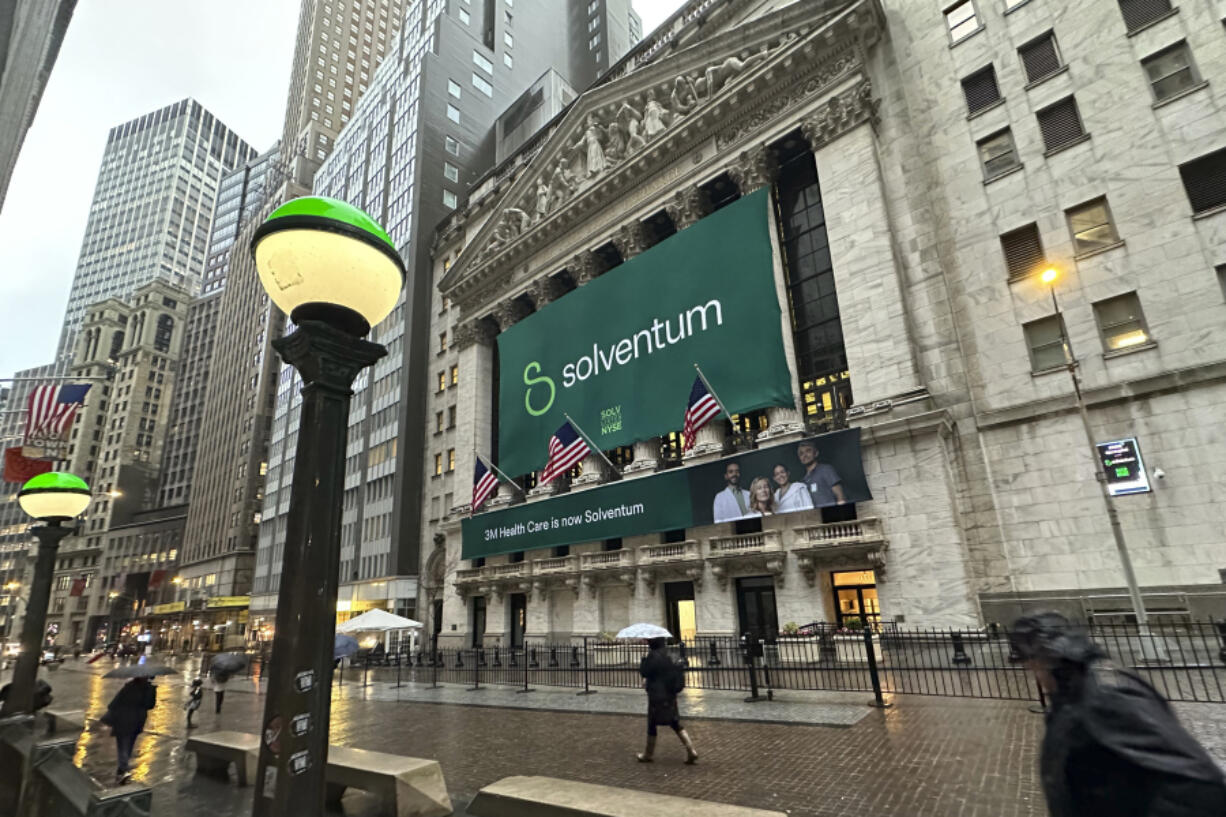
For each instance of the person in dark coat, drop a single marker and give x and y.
(663, 679)
(1113, 747)
(195, 697)
(126, 715)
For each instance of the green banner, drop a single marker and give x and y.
(819, 472)
(618, 353)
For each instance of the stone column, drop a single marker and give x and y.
(593, 471)
(710, 441)
(646, 457)
(876, 326)
(474, 342)
(784, 423)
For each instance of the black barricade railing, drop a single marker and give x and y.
(1184, 661)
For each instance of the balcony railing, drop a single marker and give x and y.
(842, 533)
(672, 552)
(746, 544)
(556, 565)
(606, 560)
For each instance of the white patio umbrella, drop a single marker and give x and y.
(378, 621)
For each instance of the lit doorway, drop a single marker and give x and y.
(855, 599)
(755, 602)
(519, 618)
(679, 607)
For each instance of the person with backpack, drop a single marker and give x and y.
(663, 679)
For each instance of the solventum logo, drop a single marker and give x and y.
(655, 337)
(535, 368)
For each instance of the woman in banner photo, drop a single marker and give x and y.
(761, 499)
(790, 496)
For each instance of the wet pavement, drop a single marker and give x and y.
(923, 757)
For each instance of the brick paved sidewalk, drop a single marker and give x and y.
(926, 757)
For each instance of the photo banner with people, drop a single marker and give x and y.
(617, 354)
(817, 472)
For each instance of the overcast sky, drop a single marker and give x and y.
(122, 59)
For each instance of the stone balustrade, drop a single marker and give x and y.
(606, 560)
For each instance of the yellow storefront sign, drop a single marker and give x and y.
(229, 601)
(171, 607)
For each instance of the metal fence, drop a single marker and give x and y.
(1183, 661)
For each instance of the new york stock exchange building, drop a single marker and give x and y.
(808, 210)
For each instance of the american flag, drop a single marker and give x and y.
(566, 448)
(52, 410)
(484, 483)
(702, 408)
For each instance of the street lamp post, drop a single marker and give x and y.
(1049, 277)
(336, 273)
(53, 499)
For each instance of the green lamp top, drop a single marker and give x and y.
(56, 481)
(322, 207)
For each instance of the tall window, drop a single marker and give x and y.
(1046, 343)
(1204, 180)
(998, 154)
(817, 329)
(453, 88)
(453, 113)
(1091, 226)
(1121, 323)
(165, 328)
(1140, 13)
(1171, 71)
(1040, 57)
(1061, 124)
(438, 464)
(1023, 251)
(455, 375)
(961, 20)
(450, 459)
(981, 90)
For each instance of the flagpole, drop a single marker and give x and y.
(707, 383)
(497, 470)
(593, 445)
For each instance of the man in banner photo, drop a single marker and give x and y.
(824, 483)
(732, 502)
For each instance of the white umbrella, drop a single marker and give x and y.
(378, 621)
(644, 631)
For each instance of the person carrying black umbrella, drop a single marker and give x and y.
(663, 679)
(126, 714)
(220, 679)
(1113, 747)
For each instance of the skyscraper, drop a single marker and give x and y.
(153, 207)
(424, 132)
(339, 45)
(29, 44)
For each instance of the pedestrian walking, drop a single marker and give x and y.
(195, 697)
(1113, 747)
(220, 679)
(663, 679)
(126, 714)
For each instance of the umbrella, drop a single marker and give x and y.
(644, 631)
(228, 663)
(140, 671)
(344, 646)
(377, 621)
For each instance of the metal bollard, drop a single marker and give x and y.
(684, 660)
(587, 690)
(870, 651)
(459, 658)
(511, 662)
(478, 662)
(751, 647)
(497, 659)
(713, 659)
(533, 663)
(959, 656)
(553, 657)
(481, 656)
(574, 657)
(1221, 634)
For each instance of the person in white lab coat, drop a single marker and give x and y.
(732, 502)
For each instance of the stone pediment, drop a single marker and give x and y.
(618, 132)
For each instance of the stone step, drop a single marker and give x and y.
(524, 796)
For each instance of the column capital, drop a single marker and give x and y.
(631, 239)
(473, 331)
(753, 169)
(545, 290)
(585, 267)
(688, 206)
(840, 114)
(509, 313)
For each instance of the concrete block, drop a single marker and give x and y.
(524, 796)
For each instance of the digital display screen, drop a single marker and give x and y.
(1122, 463)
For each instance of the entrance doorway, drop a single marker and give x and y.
(478, 621)
(755, 603)
(519, 619)
(855, 599)
(679, 609)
